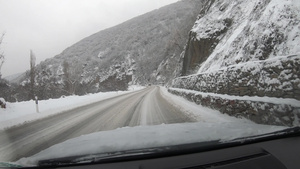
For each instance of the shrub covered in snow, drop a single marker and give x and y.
(2, 103)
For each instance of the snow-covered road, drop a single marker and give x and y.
(144, 107)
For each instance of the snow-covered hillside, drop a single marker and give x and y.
(241, 31)
(142, 50)
(245, 48)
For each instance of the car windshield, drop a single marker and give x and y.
(106, 77)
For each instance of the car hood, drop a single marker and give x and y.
(127, 139)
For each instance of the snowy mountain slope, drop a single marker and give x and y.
(139, 51)
(241, 31)
(245, 48)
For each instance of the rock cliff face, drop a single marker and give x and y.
(199, 48)
(231, 32)
(247, 50)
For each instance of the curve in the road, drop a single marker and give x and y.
(145, 107)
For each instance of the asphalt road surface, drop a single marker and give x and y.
(144, 107)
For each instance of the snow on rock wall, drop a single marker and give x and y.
(261, 110)
(245, 48)
(231, 32)
(276, 77)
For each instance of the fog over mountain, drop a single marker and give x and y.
(144, 50)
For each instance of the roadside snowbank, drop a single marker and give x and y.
(274, 100)
(200, 113)
(23, 112)
(261, 110)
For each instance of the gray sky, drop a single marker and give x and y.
(50, 26)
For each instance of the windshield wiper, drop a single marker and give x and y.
(290, 132)
(167, 151)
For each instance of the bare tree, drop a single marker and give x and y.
(71, 78)
(1, 53)
(32, 74)
(66, 70)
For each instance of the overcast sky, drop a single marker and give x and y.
(50, 26)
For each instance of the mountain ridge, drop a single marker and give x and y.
(143, 50)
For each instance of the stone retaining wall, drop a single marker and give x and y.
(277, 77)
(257, 111)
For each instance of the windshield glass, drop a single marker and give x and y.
(81, 78)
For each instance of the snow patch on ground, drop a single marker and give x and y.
(23, 112)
